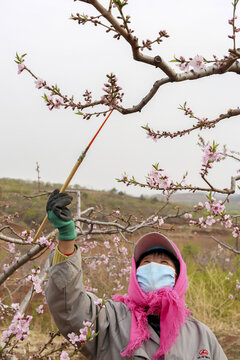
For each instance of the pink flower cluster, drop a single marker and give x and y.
(116, 240)
(12, 250)
(86, 245)
(64, 355)
(21, 67)
(158, 178)
(123, 250)
(36, 281)
(197, 63)
(235, 29)
(5, 267)
(28, 235)
(118, 287)
(86, 334)
(188, 216)
(91, 289)
(100, 302)
(236, 232)
(124, 176)
(39, 309)
(87, 97)
(54, 102)
(6, 310)
(221, 62)
(40, 83)
(88, 287)
(125, 271)
(114, 256)
(159, 220)
(216, 214)
(210, 156)
(148, 43)
(104, 259)
(215, 208)
(237, 284)
(19, 328)
(231, 21)
(112, 90)
(44, 241)
(11, 247)
(107, 244)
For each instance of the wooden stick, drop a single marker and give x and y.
(72, 173)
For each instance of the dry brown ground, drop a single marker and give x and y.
(230, 345)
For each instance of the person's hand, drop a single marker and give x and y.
(60, 216)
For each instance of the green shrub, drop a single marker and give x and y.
(84, 195)
(213, 297)
(190, 250)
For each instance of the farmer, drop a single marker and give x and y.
(150, 322)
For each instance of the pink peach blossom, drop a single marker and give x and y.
(197, 63)
(21, 67)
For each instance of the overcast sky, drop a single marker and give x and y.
(77, 58)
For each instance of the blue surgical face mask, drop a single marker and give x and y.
(154, 276)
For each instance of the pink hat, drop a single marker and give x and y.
(153, 241)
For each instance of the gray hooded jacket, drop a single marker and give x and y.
(70, 305)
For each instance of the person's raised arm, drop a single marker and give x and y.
(60, 216)
(68, 301)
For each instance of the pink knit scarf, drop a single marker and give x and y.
(168, 303)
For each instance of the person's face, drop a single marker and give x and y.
(158, 258)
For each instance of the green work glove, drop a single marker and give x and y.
(60, 216)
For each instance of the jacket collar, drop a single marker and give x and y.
(154, 335)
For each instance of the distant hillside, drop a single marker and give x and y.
(189, 199)
(233, 206)
(14, 199)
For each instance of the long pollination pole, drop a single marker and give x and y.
(74, 169)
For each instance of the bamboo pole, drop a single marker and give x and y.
(70, 176)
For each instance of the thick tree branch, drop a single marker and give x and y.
(35, 250)
(29, 295)
(11, 229)
(231, 65)
(191, 75)
(112, 227)
(12, 240)
(156, 61)
(208, 71)
(25, 258)
(146, 99)
(233, 181)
